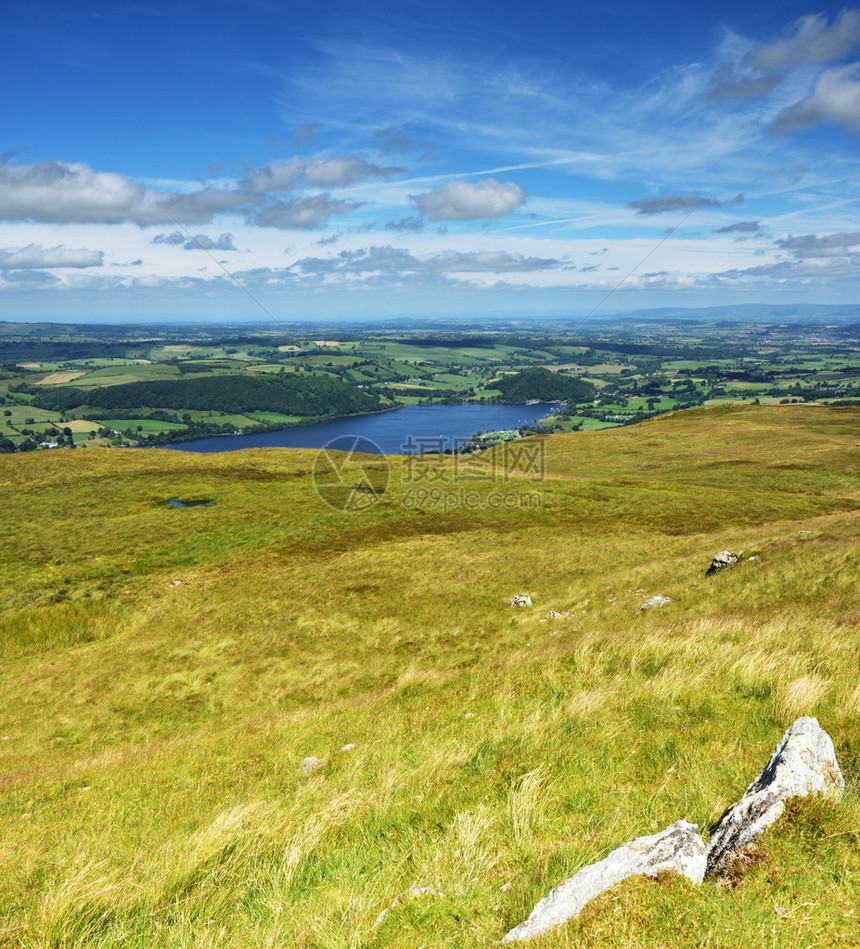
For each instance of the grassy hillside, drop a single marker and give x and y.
(166, 670)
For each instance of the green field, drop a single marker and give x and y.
(144, 424)
(275, 418)
(117, 375)
(641, 368)
(165, 672)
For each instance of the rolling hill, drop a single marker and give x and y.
(168, 673)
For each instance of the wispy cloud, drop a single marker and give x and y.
(397, 261)
(34, 257)
(406, 224)
(679, 202)
(305, 134)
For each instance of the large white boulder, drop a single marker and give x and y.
(678, 848)
(803, 763)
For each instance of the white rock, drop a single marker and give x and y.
(725, 558)
(678, 848)
(306, 765)
(521, 599)
(803, 763)
(657, 600)
(348, 747)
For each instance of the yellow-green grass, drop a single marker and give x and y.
(603, 368)
(20, 415)
(166, 670)
(130, 372)
(80, 425)
(265, 367)
(588, 424)
(60, 378)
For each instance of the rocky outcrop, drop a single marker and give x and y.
(725, 558)
(521, 599)
(803, 763)
(654, 601)
(678, 848)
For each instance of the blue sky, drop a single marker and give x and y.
(353, 160)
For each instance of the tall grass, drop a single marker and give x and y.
(162, 681)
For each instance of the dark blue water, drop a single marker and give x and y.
(177, 503)
(415, 428)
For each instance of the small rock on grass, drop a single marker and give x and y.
(521, 599)
(306, 765)
(803, 763)
(678, 848)
(654, 601)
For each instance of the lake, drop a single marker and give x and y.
(414, 428)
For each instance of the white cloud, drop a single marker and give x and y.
(830, 245)
(499, 261)
(197, 207)
(203, 242)
(806, 42)
(176, 237)
(809, 40)
(834, 98)
(303, 213)
(678, 202)
(317, 172)
(814, 271)
(35, 257)
(470, 200)
(339, 172)
(396, 260)
(741, 227)
(60, 192)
